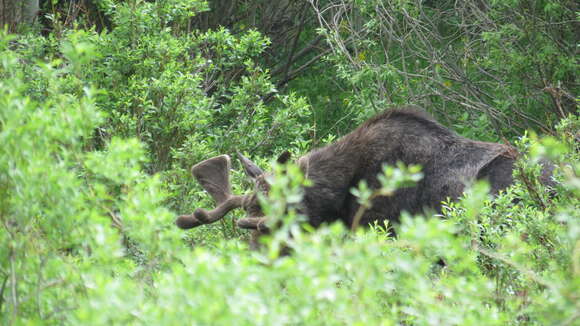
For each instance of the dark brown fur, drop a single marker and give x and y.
(408, 135)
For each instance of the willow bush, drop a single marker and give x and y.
(490, 68)
(99, 126)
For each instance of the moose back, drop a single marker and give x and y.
(408, 135)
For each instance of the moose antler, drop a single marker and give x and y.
(254, 223)
(213, 175)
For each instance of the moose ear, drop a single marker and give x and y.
(252, 170)
(284, 157)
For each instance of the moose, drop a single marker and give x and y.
(407, 135)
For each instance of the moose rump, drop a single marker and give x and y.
(407, 135)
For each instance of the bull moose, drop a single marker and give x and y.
(408, 135)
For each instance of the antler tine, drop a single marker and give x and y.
(201, 216)
(254, 223)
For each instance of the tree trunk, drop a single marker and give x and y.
(16, 12)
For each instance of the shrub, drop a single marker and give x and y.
(98, 130)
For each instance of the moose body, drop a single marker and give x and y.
(448, 162)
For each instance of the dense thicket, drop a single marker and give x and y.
(104, 106)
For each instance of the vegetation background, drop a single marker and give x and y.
(105, 104)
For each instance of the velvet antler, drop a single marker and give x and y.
(213, 175)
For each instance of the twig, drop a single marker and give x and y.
(363, 207)
(2, 291)
(530, 274)
(531, 188)
(13, 285)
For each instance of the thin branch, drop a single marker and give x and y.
(529, 273)
(2, 291)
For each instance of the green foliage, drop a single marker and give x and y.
(391, 179)
(186, 94)
(98, 131)
(64, 210)
(496, 65)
